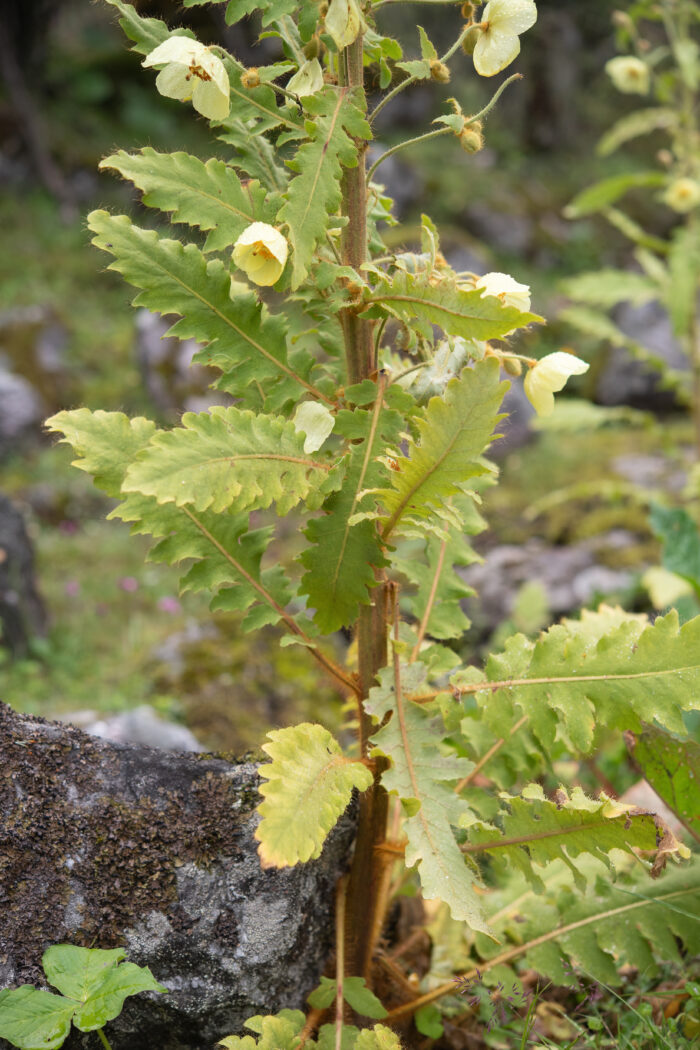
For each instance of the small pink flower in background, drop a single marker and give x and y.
(169, 604)
(68, 527)
(71, 588)
(129, 584)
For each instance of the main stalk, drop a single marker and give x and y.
(364, 887)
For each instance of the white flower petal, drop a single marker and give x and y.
(181, 49)
(261, 251)
(538, 394)
(512, 16)
(173, 82)
(308, 79)
(548, 376)
(494, 51)
(313, 419)
(344, 22)
(507, 289)
(209, 99)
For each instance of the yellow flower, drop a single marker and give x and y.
(308, 79)
(507, 289)
(344, 22)
(261, 251)
(547, 376)
(501, 24)
(192, 72)
(683, 194)
(629, 74)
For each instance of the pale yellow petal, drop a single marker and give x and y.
(539, 394)
(494, 51)
(172, 82)
(209, 99)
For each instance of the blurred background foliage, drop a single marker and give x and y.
(70, 93)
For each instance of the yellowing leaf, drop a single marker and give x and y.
(309, 785)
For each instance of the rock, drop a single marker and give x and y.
(22, 613)
(625, 381)
(21, 413)
(570, 576)
(107, 845)
(142, 725)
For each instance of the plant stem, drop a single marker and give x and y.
(404, 145)
(103, 1039)
(339, 959)
(365, 874)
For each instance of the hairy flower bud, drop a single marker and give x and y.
(313, 48)
(471, 138)
(261, 251)
(469, 40)
(468, 10)
(439, 71)
(251, 78)
(512, 365)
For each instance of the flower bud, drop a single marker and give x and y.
(513, 366)
(439, 71)
(469, 40)
(683, 194)
(629, 74)
(250, 79)
(313, 48)
(665, 157)
(470, 138)
(468, 10)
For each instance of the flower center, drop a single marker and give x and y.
(263, 250)
(197, 71)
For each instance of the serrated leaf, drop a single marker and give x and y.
(227, 458)
(379, 1037)
(328, 1036)
(34, 1019)
(277, 1032)
(458, 311)
(609, 287)
(632, 125)
(453, 433)
(535, 830)
(672, 768)
(412, 740)
(309, 786)
(209, 196)
(255, 155)
(257, 107)
(684, 279)
(606, 192)
(570, 680)
(75, 971)
(106, 442)
(106, 999)
(243, 340)
(314, 193)
(341, 557)
(147, 33)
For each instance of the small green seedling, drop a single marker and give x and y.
(93, 988)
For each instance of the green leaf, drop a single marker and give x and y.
(255, 155)
(341, 557)
(355, 993)
(580, 674)
(453, 433)
(76, 972)
(106, 442)
(378, 1037)
(243, 340)
(314, 193)
(684, 279)
(640, 122)
(604, 193)
(147, 33)
(34, 1019)
(327, 1037)
(681, 541)
(277, 1032)
(609, 287)
(428, 1021)
(227, 458)
(210, 196)
(672, 768)
(106, 1000)
(309, 786)
(456, 310)
(536, 830)
(413, 741)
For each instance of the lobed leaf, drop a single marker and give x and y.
(314, 193)
(243, 340)
(77, 972)
(106, 442)
(632, 125)
(309, 786)
(210, 196)
(606, 192)
(147, 33)
(227, 458)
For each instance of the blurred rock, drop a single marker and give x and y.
(21, 413)
(625, 381)
(173, 383)
(401, 181)
(142, 725)
(116, 845)
(22, 613)
(571, 577)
